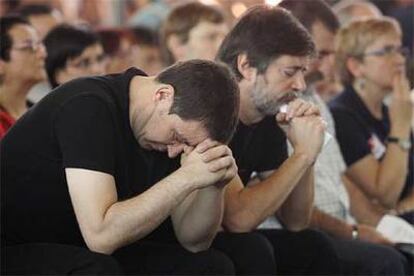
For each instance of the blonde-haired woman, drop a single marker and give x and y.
(376, 140)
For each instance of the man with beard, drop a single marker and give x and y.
(269, 51)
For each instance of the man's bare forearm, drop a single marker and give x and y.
(250, 206)
(127, 221)
(198, 218)
(296, 211)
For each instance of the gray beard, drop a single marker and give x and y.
(267, 108)
(270, 107)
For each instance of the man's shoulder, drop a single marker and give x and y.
(98, 88)
(96, 84)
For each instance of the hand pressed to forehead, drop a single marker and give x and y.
(210, 158)
(200, 148)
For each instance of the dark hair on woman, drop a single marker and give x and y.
(66, 42)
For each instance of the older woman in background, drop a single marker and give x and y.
(376, 140)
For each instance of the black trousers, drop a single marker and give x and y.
(364, 258)
(55, 259)
(143, 258)
(230, 253)
(153, 258)
(305, 252)
(251, 253)
(244, 254)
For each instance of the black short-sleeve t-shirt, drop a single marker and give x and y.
(359, 133)
(81, 124)
(258, 148)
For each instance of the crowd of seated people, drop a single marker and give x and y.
(278, 143)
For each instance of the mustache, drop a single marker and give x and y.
(290, 96)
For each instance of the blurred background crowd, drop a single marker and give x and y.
(129, 29)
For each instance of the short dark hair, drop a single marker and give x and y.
(264, 33)
(205, 91)
(66, 42)
(145, 36)
(310, 12)
(182, 19)
(112, 38)
(6, 42)
(35, 9)
(9, 6)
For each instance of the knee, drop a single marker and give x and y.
(251, 253)
(102, 264)
(317, 240)
(320, 244)
(256, 244)
(393, 262)
(215, 263)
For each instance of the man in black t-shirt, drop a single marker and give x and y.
(80, 169)
(269, 51)
(204, 30)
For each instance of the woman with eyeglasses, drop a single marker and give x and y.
(22, 58)
(375, 139)
(73, 52)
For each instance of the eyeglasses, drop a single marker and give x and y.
(87, 62)
(31, 46)
(388, 51)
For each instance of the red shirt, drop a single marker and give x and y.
(6, 121)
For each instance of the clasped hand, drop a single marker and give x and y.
(304, 127)
(209, 163)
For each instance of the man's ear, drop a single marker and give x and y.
(243, 65)
(164, 92)
(176, 47)
(164, 98)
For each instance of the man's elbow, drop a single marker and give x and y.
(239, 224)
(196, 247)
(99, 244)
(295, 224)
(296, 227)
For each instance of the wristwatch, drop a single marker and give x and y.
(404, 144)
(355, 232)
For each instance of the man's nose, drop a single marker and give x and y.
(174, 150)
(299, 83)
